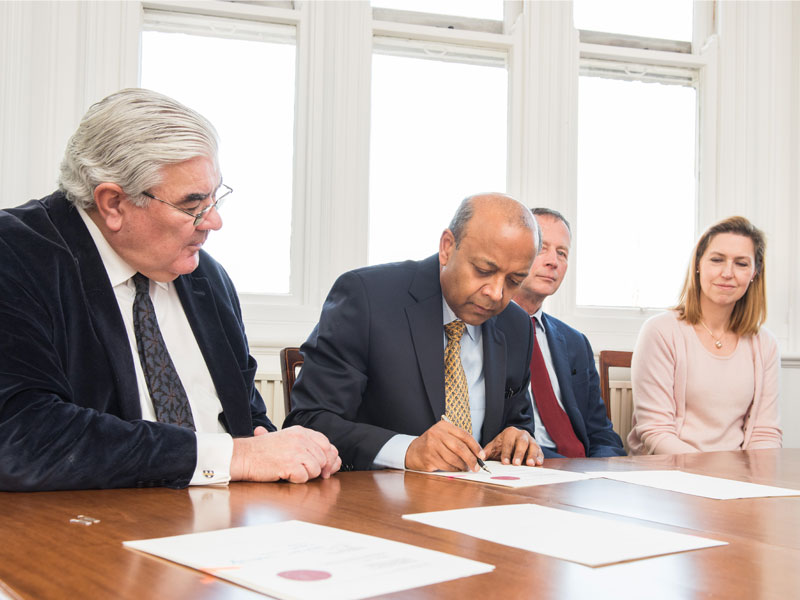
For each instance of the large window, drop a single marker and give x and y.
(636, 191)
(637, 182)
(240, 75)
(351, 131)
(438, 134)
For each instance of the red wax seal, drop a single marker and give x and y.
(304, 575)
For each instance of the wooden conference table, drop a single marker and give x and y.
(44, 555)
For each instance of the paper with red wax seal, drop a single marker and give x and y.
(298, 560)
(515, 476)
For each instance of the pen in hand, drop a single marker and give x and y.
(481, 464)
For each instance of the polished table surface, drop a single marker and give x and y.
(44, 555)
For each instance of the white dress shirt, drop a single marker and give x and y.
(214, 446)
(393, 453)
(539, 432)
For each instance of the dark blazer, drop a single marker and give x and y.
(70, 416)
(577, 376)
(374, 364)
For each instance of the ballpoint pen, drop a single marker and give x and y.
(481, 464)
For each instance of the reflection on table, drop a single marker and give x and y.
(43, 555)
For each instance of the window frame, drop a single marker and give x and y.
(408, 40)
(225, 27)
(270, 318)
(330, 203)
(617, 327)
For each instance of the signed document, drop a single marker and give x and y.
(299, 560)
(580, 538)
(515, 476)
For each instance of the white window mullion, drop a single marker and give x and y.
(543, 135)
(338, 120)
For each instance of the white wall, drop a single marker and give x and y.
(56, 58)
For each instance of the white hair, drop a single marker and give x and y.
(126, 139)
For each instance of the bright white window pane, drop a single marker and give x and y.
(246, 89)
(478, 9)
(636, 191)
(664, 19)
(438, 135)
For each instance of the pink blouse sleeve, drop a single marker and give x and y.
(766, 420)
(655, 407)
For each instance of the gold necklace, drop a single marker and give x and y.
(717, 341)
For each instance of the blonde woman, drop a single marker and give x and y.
(705, 374)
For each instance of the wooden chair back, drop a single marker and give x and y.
(291, 362)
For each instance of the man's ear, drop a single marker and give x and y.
(108, 198)
(447, 244)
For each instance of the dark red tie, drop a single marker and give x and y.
(553, 417)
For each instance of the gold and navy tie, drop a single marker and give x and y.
(456, 392)
(166, 390)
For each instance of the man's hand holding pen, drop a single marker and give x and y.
(445, 447)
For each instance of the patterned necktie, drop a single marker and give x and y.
(554, 419)
(456, 392)
(166, 390)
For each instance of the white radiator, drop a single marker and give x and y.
(271, 389)
(621, 408)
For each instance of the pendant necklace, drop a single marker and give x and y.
(717, 341)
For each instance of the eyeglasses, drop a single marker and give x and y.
(219, 197)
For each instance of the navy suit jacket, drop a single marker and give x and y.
(577, 376)
(70, 416)
(374, 364)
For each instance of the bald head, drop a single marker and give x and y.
(501, 205)
(485, 255)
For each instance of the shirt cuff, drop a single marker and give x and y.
(393, 453)
(214, 453)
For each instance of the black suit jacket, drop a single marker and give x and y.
(70, 415)
(573, 362)
(374, 364)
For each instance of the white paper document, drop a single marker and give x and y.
(579, 538)
(298, 560)
(698, 485)
(515, 476)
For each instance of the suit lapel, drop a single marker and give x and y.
(425, 323)
(559, 353)
(201, 311)
(102, 304)
(494, 368)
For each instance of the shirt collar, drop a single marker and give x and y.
(118, 270)
(448, 315)
(538, 316)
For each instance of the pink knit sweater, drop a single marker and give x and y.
(659, 381)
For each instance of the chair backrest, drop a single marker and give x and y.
(291, 361)
(611, 358)
(619, 401)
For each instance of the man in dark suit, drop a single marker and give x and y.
(373, 377)
(570, 417)
(123, 358)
